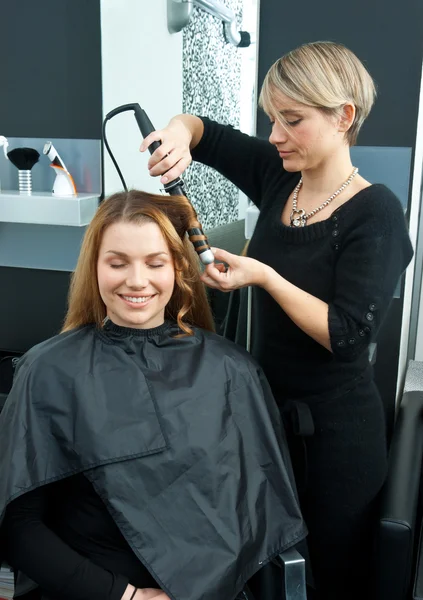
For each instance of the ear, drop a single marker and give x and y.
(347, 117)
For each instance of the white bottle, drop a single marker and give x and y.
(64, 184)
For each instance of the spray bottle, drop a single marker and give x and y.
(64, 184)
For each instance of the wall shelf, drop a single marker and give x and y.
(46, 209)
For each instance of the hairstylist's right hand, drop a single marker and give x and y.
(173, 156)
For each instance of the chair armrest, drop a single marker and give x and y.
(294, 575)
(399, 500)
(401, 489)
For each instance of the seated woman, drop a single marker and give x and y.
(141, 455)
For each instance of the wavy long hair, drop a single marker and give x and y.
(188, 305)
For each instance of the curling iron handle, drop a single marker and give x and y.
(175, 187)
(146, 126)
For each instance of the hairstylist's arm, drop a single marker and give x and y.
(173, 156)
(308, 312)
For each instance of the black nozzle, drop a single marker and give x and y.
(245, 39)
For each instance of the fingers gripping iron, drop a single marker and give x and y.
(174, 188)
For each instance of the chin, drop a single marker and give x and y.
(144, 322)
(290, 165)
(140, 321)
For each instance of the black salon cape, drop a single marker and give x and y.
(181, 439)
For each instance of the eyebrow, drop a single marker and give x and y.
(123, 255)
(290, 112)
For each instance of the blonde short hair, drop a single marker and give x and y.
(324, 75)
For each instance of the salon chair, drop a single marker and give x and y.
(398, 572)
(282, 579)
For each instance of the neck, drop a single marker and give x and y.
(329, 175)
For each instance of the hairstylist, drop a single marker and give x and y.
(325, 258)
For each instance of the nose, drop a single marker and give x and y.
(279, 134)
(137, 277)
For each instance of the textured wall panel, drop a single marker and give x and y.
(211, 87)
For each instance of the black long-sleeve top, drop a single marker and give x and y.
(62, 536)
(351, 260)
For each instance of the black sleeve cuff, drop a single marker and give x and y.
(348, 337)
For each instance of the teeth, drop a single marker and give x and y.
(137, 300)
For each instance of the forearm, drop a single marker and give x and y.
(308, 312)
(33, 548)
(194, 125)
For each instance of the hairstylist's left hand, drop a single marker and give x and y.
(241, 272)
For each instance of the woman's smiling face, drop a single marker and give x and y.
(135, 274)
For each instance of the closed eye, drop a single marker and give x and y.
(120, 266)
(290, 123)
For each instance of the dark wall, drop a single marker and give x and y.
(32, 306)
(50, 71)
(387, 38)
(50, 87)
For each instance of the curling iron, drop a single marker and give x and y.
(174, 188)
